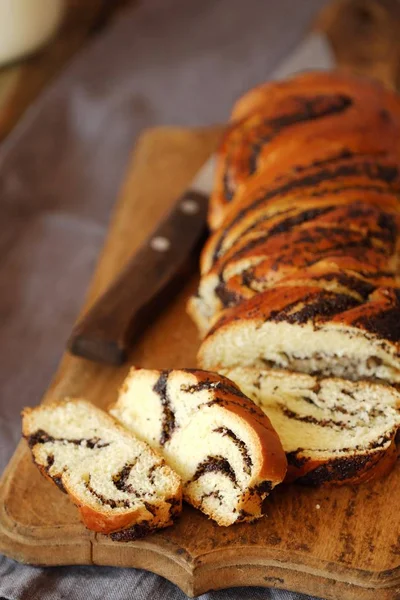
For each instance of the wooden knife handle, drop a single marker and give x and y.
(105, 332)
(365, 38)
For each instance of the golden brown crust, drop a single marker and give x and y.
(312, 117)
(350, 247)
(106, 524)
(366, 180)
(135, 523)
(360, 468)
(160, 516)
(274, 462)
(320, 81)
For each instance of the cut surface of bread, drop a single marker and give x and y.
(332, 430)
(120, 485)
(310, 330)
(216, 439)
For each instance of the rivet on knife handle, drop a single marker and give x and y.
(148, 280)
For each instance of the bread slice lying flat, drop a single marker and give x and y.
(216, 439)
(310, 330)
(119, 484)
(332, 430)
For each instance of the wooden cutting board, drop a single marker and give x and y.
(342, 544)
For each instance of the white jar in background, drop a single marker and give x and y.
(25, 25)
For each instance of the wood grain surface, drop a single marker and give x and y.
(347, 549)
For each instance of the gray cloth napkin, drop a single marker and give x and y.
(164, 62)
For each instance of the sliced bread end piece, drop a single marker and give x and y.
(120, 485)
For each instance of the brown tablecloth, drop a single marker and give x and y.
(165, 62)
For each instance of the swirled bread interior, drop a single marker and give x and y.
(291, 328)
(332, 430)
(216, 439)
(121, 486)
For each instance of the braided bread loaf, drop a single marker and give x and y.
(216, 439)
(301, 271)
(120, 485)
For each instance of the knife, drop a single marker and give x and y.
(152, 276)
(149, 279)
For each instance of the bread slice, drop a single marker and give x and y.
(119, 484)
(332, 430)
(216, 439)
(306, 329)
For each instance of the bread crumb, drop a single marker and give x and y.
(317, 506)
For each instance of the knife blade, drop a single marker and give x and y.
(152, 275)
